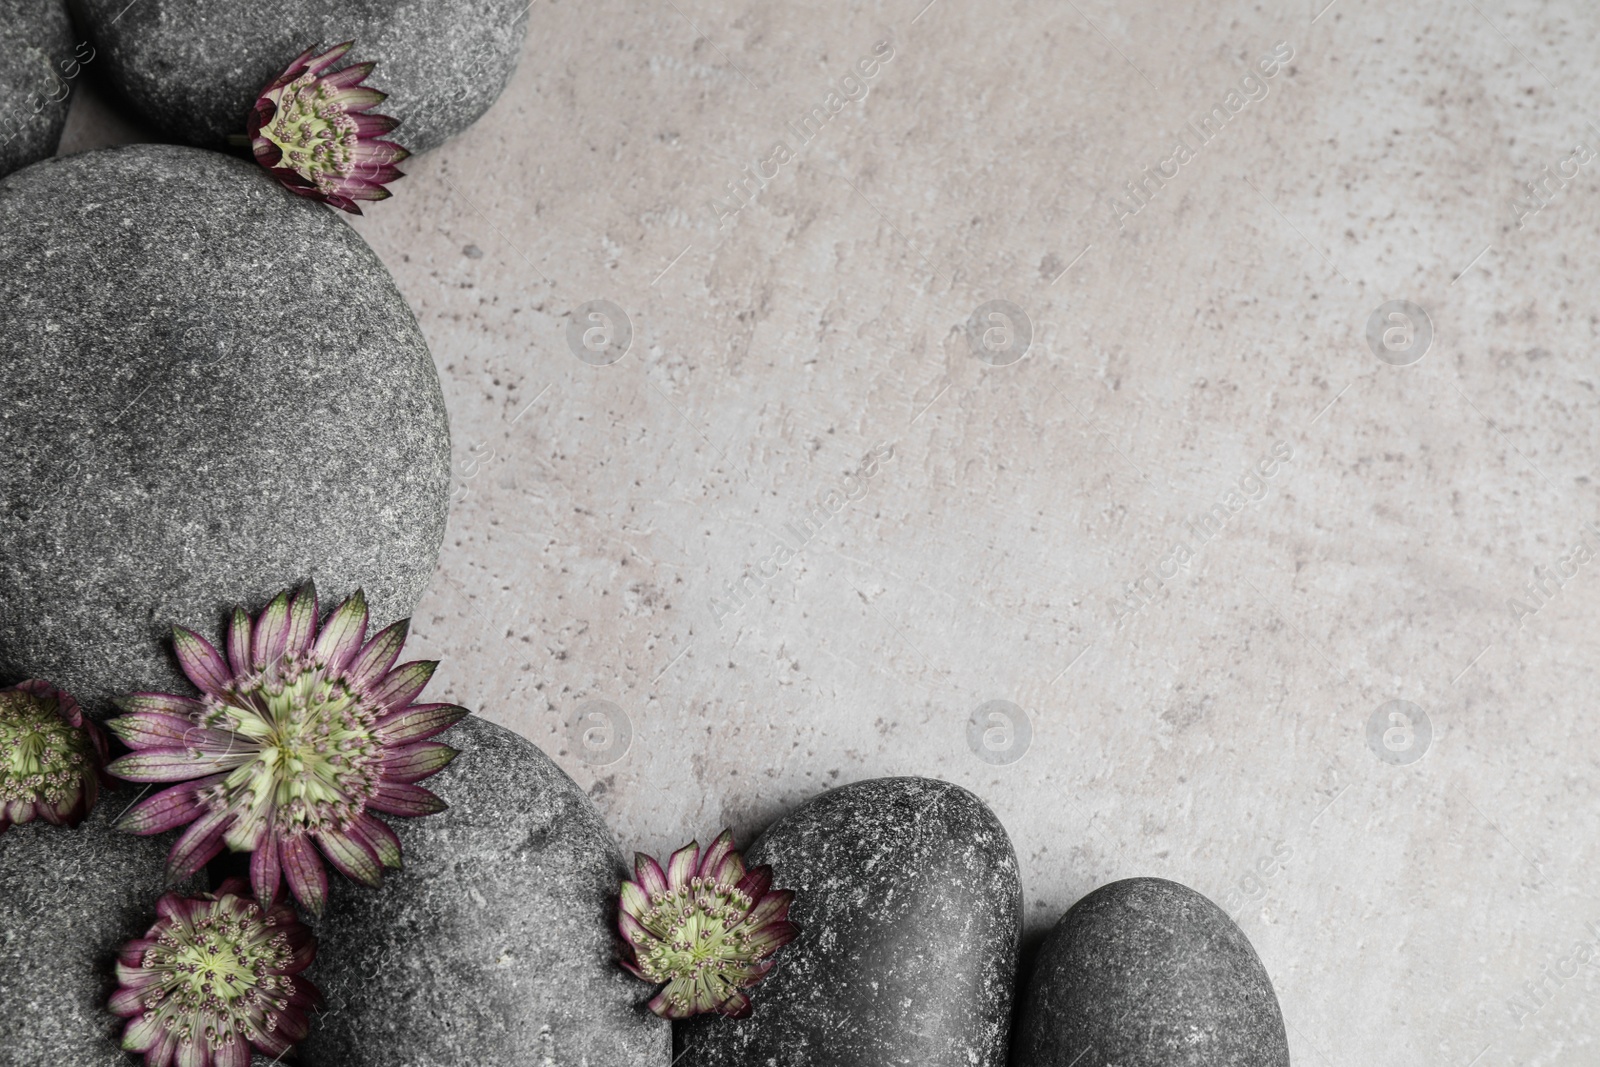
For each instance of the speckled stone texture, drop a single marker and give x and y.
(212, 391)
(1149, 973)
(193, 68)
(36, 63)
(494, 946)
(910, 912)
(69, 899)
(603, 512)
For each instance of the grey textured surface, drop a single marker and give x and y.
(212, 391)
(36, 57)
(601, 509)
(910, 913)
(69, 899)
(193, 68)
(494, 946)
(1149, 973)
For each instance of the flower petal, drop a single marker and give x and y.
(632, 930)
(633, 900)
(773, 907)
(239, 642)
(401, 798)
(266, 873)
(302, 619)
(303, 870)
(349, 76)
(164, 703)
(402, 685)
(413, 763)
(200, 661)
(418, 722)
(354, 859)
(772, 937)
(341, 636)
(154, 729)
(715, 853)
(379, 655)
(233, 1053)
(271, 638)
(756, 882)
(168, 809)
(326, 59)
(174, 764)
(737, 1006)
(651, 878)
(377, 836)
(682, 865)
(198, 845)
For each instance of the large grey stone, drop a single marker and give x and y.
(494, 947)
(910, 911)
(193, 67)
(37, 66)
(69, 899)
(1148, 973)
(212, 391)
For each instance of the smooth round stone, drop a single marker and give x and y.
(213, 391)
(69, 900)
(37, 66)
(910, 911)
(1149, 973)
(495, 945)
(194, 69)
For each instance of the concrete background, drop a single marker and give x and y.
(1213, 728)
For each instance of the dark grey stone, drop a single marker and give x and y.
(494, 947)
(910, 911)
(193, 69)
(37, 67)
(213, 391)
(1149, 973)
(69, 900)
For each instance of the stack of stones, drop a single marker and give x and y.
(213, 391)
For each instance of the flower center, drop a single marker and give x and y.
(317, 138)
(42, 757)
(699, 931)
(220, 969)
(313, 757)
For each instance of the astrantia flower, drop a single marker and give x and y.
(705, 926)
(313, 132)
(298, 738)
(216, 975)
(51, 757)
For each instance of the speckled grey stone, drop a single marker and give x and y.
(1149, 973)
(69, 899)
(212, 390)
(193, 68)
(494, 947)
(910, 912)
(37, 66)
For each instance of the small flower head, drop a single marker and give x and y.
(312, 131)
(216, 976)
(705, 926)
(52, 758)
(297, 738)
